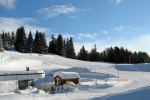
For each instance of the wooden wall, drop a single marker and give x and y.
(75, 81)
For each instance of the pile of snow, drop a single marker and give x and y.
(71, 87)
(28, 90)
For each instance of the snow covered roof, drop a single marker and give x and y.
(20, 72)
(65, 75)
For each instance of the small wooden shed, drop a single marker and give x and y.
(61, 77)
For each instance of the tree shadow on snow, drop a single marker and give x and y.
(92, 75)
(94, 86)
(87, 73)
(132, 67)
(138, 94)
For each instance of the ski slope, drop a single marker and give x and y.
(137, 88)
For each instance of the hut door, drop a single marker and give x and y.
(58, 80)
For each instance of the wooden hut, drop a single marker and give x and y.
(61, 77)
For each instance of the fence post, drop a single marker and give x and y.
(16, 87)
(108, 75)
(118, 74)
(44, 86)
(96, 79)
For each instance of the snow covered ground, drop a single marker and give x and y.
(94, 83)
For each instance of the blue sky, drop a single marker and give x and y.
(105, 23)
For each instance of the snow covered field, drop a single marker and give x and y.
(136, 88)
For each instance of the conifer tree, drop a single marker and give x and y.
(82, 54)
(87, 55)
(111, 55)
(116, 54)
(36, 42)
(94, 54)
(52, 46)
(1, 44)
(43, 49)
(66, 48)
(16, 42)
(40, 43)
(6, 44)
(121, 55)
(104, 56)
(60, 46)
(12, 39)
(55, 42)
(25, 45)
(20, 40)
(8, 41)
(70, 49)
(2, 36)
(30, 43)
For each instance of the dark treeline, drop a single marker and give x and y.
(38, 44)
(115, 55)
(66, 49)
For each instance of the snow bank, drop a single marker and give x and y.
(71, 87)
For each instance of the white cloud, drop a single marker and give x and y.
(71, 17)
(118, 1)
(125, 27)
(55, 10)
(34, 28)
(67, 35)
(56, 34)
(12, 24)
(119, 28)
(95, 33)
(79, 38)
(140, 43)
(135, 27)
(105, 32)
(47, 40)
(78, 46)
(86, 35)
(9, 4)
(100, 44)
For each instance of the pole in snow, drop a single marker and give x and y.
(129, 60)
(46, 85)
(96, 79)
(38, 86)
(108, 75)
(118, 74)
(16, 87)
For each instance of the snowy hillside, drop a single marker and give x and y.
(94, 83)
